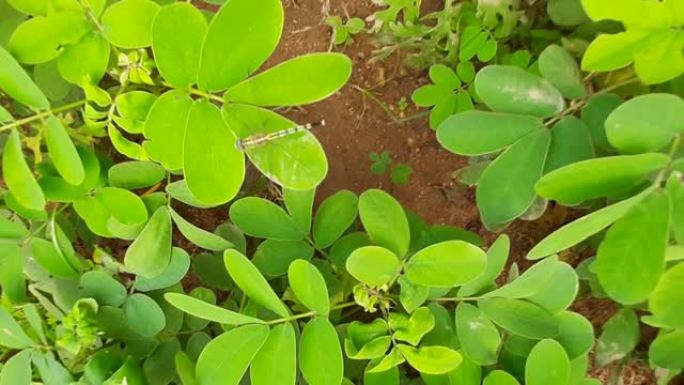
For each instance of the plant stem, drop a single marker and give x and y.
(673, 150)
(457, 299)
(195, 91)
(617, 85)
(42, 115)
(308, 314)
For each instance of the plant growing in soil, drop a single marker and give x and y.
(71, 311)
(537, 150)
(309, 277)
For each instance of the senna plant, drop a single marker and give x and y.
(431, 298)
(164, 107)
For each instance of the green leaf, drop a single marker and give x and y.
(594, 115)
(443, 75)
(666, 300)
(334, 216)
(132, 108)
(675, 188)
(373, 265)
(566, 12)
(177, 55)
(63, 152)
(547, 364)
(499, 377)
(575, 333)
(560, 290)
(388, 377)
(667, 350)
(479, 337)
(11, 334)
(17, 83)
(411, 295)
(165, 128)
(5, 116)
(391, 360)
(584, 227)
(143, 315)
(309, 287)
(619, 337)
(103, 288)
(17, 370)
(446, 264)
(86, 60)
(174, 272)
(273, 257)
(611, 52)
(303, 80)
(124, 145)
(18, 176)
(570, 143)
(179, 191)
(385, 221)
(264, 219)
(225, 359)
(487, 51)
(513, 90)
(520, 317)
(294, 161)
(12, 280)
(159, 366)
(185, 367)
(150, 253)
(198, 236)
(276, 362)
(475, 133)
(512, 176)
(631, 131)
(41, 38)
(320, 355)
(597, 178)
(299, 204)
(531, 282)
(128, 23)
(236, 46)
(204, 310)
(472, 39)
(124, 206)
(252, 283)
(497, 255)
(367, 341)
(135, 174)
(51, 259)
(213, 167)
(631, 258)
(412, 329)
(431, 359)
(560, 69)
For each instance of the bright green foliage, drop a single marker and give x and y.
(343, 31)
(373, 265)
(18, 176)
(178, 54)
(17, 84)
(150, 253)
(620, 335)
(385, 221)
(631, 131)
(129, 23)
(635, 243)
(651, 39)
(319, 336)
(547, 364)
(446, 264)
(446, 95)
(230, 55)
(207, 149)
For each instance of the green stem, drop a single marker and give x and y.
(617, 85)
(195, 91)
(308, 314)
(42, 115)
(457, 299)
(673, 151)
